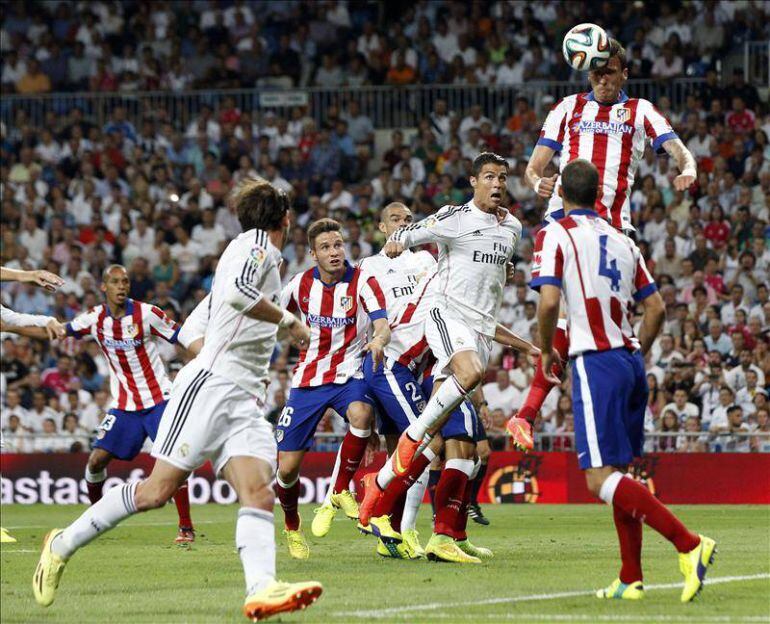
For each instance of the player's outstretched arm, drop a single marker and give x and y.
(506, 337)
(547, 317)
(541, 156)
(652, 320)
(268, 312)
(685, 161)
(52, 330)
(45, 279)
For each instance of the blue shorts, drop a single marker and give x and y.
(609, 398)
(122, 434)
(398, 396)
(306, 407)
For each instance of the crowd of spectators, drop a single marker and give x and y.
(150, 191)
(176, 45)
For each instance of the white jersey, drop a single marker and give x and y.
(195, 324)
(236, 347)
(474, 249)
(398, 276)
(613, 138)
(19, 319)
(601, 273)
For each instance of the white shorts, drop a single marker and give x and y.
(209, 417)
(446, 335)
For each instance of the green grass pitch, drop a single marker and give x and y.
(547, 559)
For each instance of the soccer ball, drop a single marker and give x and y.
(586, 47)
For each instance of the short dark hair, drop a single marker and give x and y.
(106, 272)
(617, 49)
(260, 205)
(319, 227)
(487, 158)
(580, 183)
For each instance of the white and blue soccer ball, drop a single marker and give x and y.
(586, 47)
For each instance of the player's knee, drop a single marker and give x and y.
(287, 474)
(257, 495)
(360, 416)
(151, 495)
(470, 375)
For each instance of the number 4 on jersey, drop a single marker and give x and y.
(608, 269)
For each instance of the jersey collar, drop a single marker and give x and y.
(622, 97)
(346, 277)
(583, 211)
(129, 308)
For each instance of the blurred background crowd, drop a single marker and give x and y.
(130, 181)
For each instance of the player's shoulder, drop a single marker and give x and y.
(450, 210)
(424, 258)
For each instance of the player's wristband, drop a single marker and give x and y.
(287, 320)
(690, 172)
(537, 185)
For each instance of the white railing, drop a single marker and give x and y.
(756, 63)
(387, 106)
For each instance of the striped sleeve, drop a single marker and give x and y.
(438, 228)
(82, 324)
(547, 259)
(656, 127)
(644, 284)
(243, 292)
(373, 299)
(161, 325)
(552, 133)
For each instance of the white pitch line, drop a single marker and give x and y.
(126, 525)
(5, 551)
(382, 613)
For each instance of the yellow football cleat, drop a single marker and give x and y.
(347, 502)
(622, 591)
(381, 528)
(322, 522)
(474, 551)
(412, 538)
(694, 565)
(6, 537)
(396, 551)
(281, 597)
(444, 548)
(48, 572)
(366, 530)
(297, 544)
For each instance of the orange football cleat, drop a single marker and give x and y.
(521, 432)
(404, 454)
(372, 493)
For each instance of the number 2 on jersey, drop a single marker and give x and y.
(608, 269)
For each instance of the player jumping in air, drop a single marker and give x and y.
(338, 303)
(123, 329)
(610, 129)
(601, 274)
(216, 412)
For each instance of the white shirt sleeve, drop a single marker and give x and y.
(195, 325)
(19, 319)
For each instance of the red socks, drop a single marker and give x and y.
(398, 513)
(461, 522)
(182, 500)
(639, 503)
(289, 498)
(351, 453)
(449, 500)
(399, 486)
(540, 385)
(630, 538)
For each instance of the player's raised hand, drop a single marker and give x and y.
(683, 181)
(299, 334)
(55, 330)
(545, 186)
(377, 347)
(547, 359)
(393, 249)
(50, 281)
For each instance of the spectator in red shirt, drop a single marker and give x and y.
(717, 230)
(740, 119)
(60, 378)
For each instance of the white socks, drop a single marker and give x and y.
(333, 478)
(444, 400)
(463, 465)
(116, 505)
(255, 541)
(95, 477)
(413, 501)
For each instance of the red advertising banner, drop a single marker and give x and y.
(697, 478)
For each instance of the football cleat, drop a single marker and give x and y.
(475, 514)
(372, 493)
(366, 530)
(185, 535)
(322, 522)
(281, 597)
(444, 548)
(347, 502)
(474, 551)
(622, 591)
(297, 544)
(404, 454)
(412, 538)
(694, 565)
(521, 433)
(381, 528)
(48, 572)
(6, 537)
(395, 551)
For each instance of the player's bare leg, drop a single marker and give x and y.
(115, 506)
(631, 501)
(287, 488)
(255, 540)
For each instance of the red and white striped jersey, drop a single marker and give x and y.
(613, 138)
(338, 316)
(600, 271)
(137, 378)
